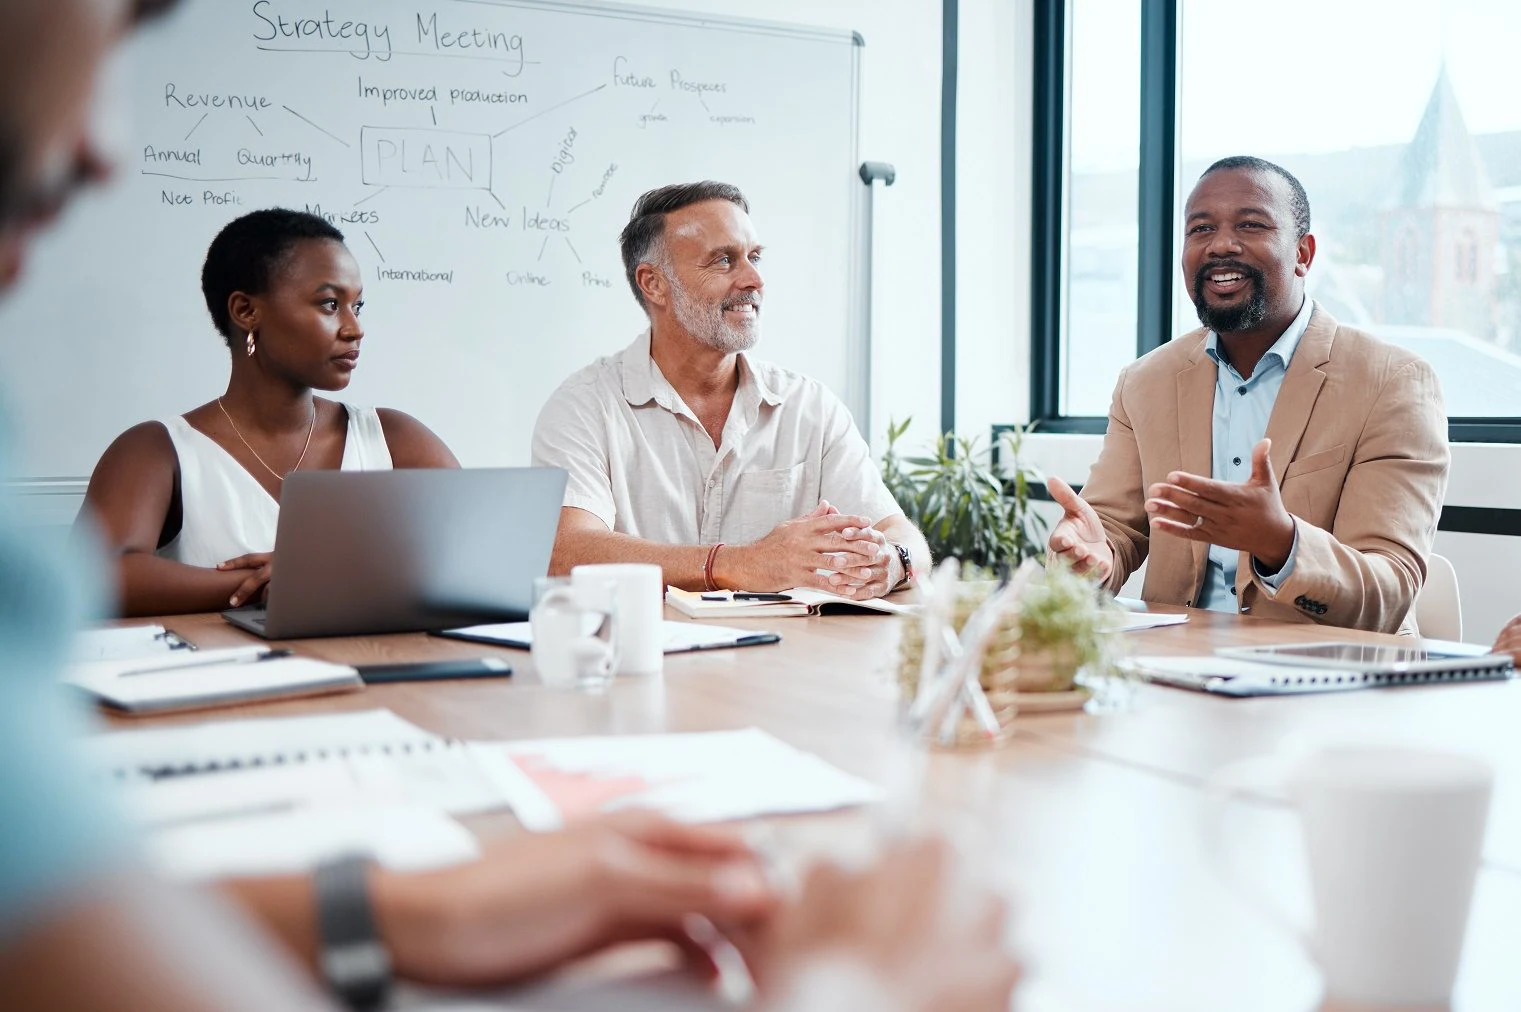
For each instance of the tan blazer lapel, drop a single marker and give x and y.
(1196, 428)
(1301, 388)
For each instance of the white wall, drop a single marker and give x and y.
(993, 215)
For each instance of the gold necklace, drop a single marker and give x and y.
(278, 476)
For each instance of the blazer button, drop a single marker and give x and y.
(1188, 604)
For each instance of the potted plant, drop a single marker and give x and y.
(967, 508)
(1059, 625)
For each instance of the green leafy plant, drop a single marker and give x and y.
(1064, 610)
(958, 499)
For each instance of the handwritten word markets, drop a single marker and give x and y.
(351, 217)
(396, 274)
(375, 38)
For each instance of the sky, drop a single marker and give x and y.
(1293, 76)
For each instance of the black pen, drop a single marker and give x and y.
(740, 595)
(205, 661)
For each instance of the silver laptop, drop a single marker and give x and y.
(360, 552)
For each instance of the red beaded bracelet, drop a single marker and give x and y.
(707, 568)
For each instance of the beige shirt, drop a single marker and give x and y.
(639, 459)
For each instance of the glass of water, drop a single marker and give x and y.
(575, 635)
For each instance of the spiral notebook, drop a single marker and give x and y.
(1316, 667)
(230, 767)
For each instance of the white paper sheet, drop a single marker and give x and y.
(704, 777)
(1136, 621)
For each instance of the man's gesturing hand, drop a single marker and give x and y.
(1079, 537)
(1248, 516)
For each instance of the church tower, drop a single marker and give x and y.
(1441, 228)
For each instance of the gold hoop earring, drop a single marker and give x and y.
(250, 344)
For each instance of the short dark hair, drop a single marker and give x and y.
(1299, 201)
(248, 251)
(646, 224)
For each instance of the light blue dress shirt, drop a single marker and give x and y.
(1242, 409)
(56, 826)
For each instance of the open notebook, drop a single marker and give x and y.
(194, 679)
(794, 603)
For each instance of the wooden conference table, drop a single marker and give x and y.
(1090, 821)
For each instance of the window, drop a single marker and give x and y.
(1402, 126)
(1388, 135)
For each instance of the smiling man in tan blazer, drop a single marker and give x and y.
(1272, 462)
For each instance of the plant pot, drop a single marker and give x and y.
(1046, 669)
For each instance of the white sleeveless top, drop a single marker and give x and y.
(224, 510)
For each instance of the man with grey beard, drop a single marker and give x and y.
(1201, 428)
(685, 452)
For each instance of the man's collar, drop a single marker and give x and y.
(644, 382)
(1282, 349)
(760, 377)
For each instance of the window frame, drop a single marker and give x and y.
(1157, 206)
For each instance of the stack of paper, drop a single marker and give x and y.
(244, 797)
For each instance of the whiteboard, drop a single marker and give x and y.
(481, 158)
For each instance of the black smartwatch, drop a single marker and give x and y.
(908, 564)
(354, 961)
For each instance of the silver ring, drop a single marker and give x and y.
(1198, 521)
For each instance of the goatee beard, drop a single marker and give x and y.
(1229, 319)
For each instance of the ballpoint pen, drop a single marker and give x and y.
(205, 660)
(743, 595)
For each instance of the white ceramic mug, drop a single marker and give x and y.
(1393, 837)
(640, 597)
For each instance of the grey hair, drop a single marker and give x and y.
(643, 238)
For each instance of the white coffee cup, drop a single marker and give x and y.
(1393, 837)
(640, 598)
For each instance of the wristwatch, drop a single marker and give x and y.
(908, 564)
(353, 959)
